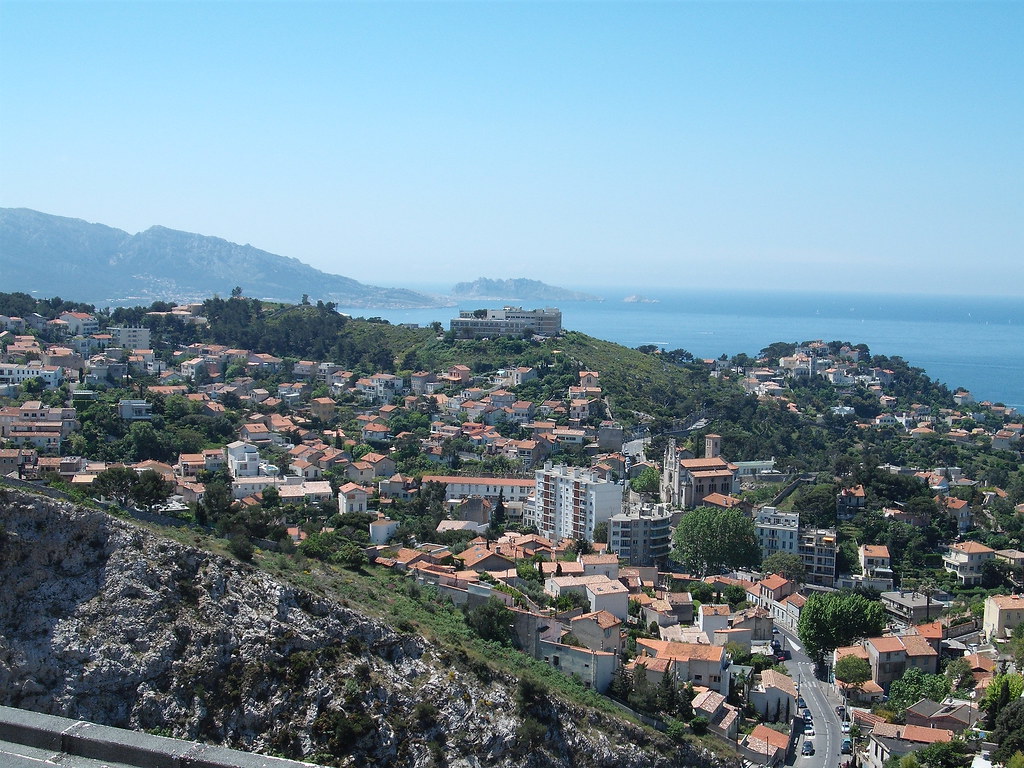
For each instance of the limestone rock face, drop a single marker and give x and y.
(104, 621)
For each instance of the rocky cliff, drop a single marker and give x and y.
(104, 621)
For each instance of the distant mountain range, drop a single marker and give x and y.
(54, 255)
(519, 289)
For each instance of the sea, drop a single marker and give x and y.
(973, 342)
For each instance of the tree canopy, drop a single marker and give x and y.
(708, 540)
(787, 565)
(853, 670)
(1009, 730)
(833, 619)
(915, 685)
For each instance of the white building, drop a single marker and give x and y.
(129, 337)
(51, 375)
(491, 488)
(569, 502)
(508, 321)
(966, 559)
(135, 410)
(243, 459)
(777, 531)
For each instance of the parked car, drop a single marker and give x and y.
(847, 748)
(775, 630)
(841, 711)
(809, 730)
(845, 726)
(807, 749)
(800, 703)
(806, 714)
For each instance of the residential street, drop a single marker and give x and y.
(821, 702)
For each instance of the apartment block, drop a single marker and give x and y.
(642, 536)
(569, 502)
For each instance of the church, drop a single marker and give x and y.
(685, 482)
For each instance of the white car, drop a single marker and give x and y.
(845, 726)
(808, 731)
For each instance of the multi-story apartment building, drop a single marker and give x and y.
(37, 425)
(51, 375)
(569, 502)
(966, 559)
(80, 323)
(642, 535)
(508, 321)
(818, 548)
(777, 531)
(510, 489)
(129, 337)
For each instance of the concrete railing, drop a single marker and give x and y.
(121, 747)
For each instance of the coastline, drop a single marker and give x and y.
(972, 342)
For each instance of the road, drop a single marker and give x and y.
(828, 735)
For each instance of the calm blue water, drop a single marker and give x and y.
(962, 341)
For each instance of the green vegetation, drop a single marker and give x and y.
(708, 540)
(913, 686)
(830, 620)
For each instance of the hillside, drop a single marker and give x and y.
(106, 266)
(136, 630)
(517, 289)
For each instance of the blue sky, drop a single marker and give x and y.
(830, 145)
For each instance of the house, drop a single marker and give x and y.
(383, 466)
(382, 529)
(723, 719)
(657, 611)
(959, 509)
(483, 558)
(965, 559)
(605, 565)
(375, 433)
(602, 593)
(913, 607)
(598, 631)
(352, 498)
(305, 469)
(243, 459)
(135, 410)
(888, 740)
(890, 656)
(52, 376)
(37, 425)
(713, 617)
(764, 746)
(773, 695)
(458, 487)
(874, 557)
(15, 461)
(1003, 613)
(705, 665)
(955, 716)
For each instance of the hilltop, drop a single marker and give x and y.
(108, 266)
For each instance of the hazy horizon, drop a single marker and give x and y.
(861, 147)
